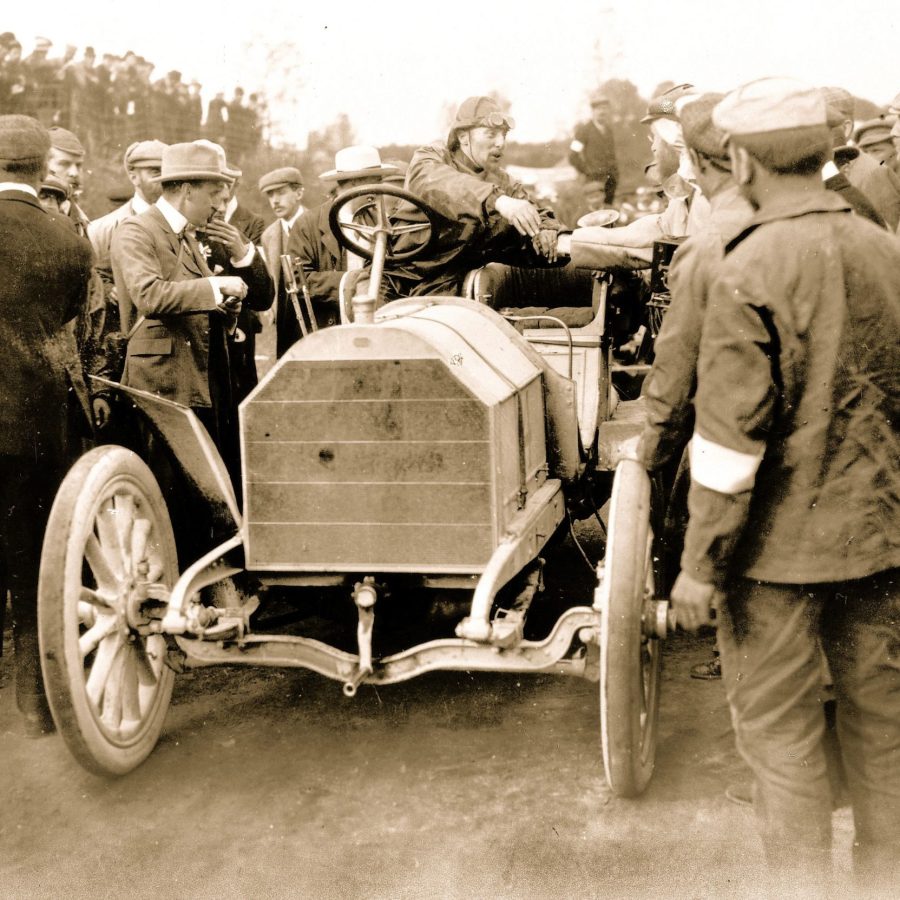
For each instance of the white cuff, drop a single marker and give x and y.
(722, 469)
(217, 291)
(245, 260)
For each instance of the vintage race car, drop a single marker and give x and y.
(431, 445)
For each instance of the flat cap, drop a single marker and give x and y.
(663, 105)
(771, 104)
(872, 132)
(600, 97)
(22, 138)
(63, 139)
(279, 178)
(144, 155)
(839, 103)
(698, 128)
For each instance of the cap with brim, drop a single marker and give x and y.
(663, 106)
(358, 162)
(22, 138)
(53, 185)
(845, 154)
(840, 105)
(872, 132)
(698, 129)
(769, 105)
(190, 162)
(287, 176)
(64, 140)
(144, 155)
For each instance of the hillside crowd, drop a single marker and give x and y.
(114, 100)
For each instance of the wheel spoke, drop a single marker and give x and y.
(109, 540)
(365, 230)
(113, 695)
(130, 676)
(107, 579)
(145, 674)
(89, 641)
(123, 512)
(410, 229)
(96, 682)
(139, 537)
(95, 598)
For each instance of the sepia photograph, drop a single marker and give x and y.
(449, 451)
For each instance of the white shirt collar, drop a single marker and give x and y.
(139, 204)
(829, 170)
(288, 224)
(18, 186)
(177, 222)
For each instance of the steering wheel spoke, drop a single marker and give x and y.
(369, 201)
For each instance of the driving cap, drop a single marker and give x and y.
(771, 104)
(191, 162)
(476, 112)
(64, 140)
(840, 105)
(600, 97)
(663, 106)
(53, 185)
(698, 128)
(872, 132)
(22, 138)
(287, 176)
(358, 162)
(144, 155)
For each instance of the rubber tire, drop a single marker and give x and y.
(629, 743)
(62, 559)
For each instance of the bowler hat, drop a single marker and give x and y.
(191, 162)
(22, 138)
(144, 155)
(357, 162)
(286, 176)
(65, 140)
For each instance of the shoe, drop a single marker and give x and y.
(740, 793)
(711, 670)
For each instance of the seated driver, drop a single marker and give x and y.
(484, 215)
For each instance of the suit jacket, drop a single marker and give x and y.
(45, 270)
(248, 223)
(324, 264)
(158, 277)
(260, 295)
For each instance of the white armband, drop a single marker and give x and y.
(720, 468)
(576, 146)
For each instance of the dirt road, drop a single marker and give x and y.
(270, 783)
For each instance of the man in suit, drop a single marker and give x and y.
(322, 260)
(179, 350)
(45, 270)
(66, 161)
(284, 191)
(593, 149)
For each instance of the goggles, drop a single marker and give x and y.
(494, 120)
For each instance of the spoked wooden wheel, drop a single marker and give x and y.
(630, 662)
(107, 565)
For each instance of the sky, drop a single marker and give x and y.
(394, 66)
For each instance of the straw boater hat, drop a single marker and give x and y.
(191, 162)
(357, 162)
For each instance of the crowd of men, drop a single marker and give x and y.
(776, 381)
(115, 100)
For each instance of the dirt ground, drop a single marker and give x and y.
(269, 783)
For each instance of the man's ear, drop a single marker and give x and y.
(741, 165)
